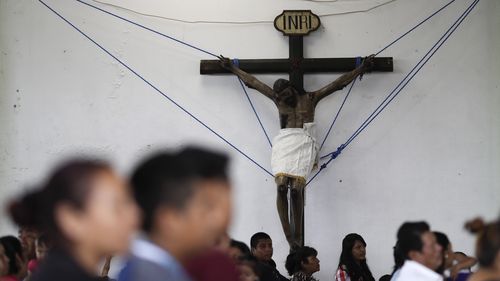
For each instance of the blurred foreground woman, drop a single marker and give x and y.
(88, 214)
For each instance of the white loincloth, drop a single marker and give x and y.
(295, 152)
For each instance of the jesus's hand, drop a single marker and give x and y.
(225, 62)
(368, 63)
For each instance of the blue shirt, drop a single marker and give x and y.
(151, 262)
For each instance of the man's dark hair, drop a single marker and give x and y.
(257, 237)
(444, 242)
(409, 239)
(442, 239)
(168, 179)
(295, 259)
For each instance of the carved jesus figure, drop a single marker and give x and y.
(295, 150)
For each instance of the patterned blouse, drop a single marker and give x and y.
(341, 274)
(301, 276)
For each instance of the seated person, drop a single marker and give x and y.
(455, 266)
(352, 263)
(185, 201)
(249, 271)
(417, 254)
(487, 250)
(302, 263)
(262, 249)
(238, 251)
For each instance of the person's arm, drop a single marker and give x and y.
(247, 78)
(344, 80)
(464, 262)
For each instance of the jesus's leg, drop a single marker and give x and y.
(282, 183)
(297, 210)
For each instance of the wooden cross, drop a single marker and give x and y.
(295, 105)
(296, 65)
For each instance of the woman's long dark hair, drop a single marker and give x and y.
(356, 271)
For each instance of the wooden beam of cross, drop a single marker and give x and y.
(296, 25)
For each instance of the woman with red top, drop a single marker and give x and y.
(42, 246)
(352, 264)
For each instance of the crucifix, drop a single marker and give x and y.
(295, 149)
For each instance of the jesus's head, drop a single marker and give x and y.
(280, 85)
(285, 92)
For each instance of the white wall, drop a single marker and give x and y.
(433, 154)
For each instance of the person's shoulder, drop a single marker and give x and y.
(212, 265)
(341, 273)
(60, 266)
(264, 266)
(269, 273)
(412, 270)
(282, 278)
(299, 276)
(8, 278)
(341, 268)
(142, 269)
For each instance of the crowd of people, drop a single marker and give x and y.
(170, 220)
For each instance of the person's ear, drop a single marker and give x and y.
(415, 256)
(252, 250)
(167, 220)
(70, 222)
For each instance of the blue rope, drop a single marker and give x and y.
(415, 27)
(318, 172)
(337, 115)
(358, 59)
(324, 165)
(358, 63)
(336, 153)
(413, 72)
(156, 89)
(236, 63)
(186, 44)
(152, 30)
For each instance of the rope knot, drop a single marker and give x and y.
(236, 62)
(337, 152)
(358, 61)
